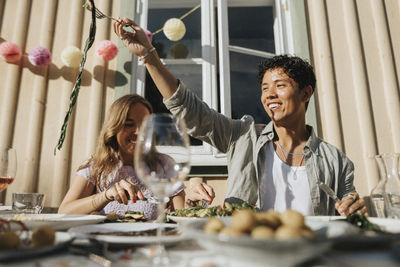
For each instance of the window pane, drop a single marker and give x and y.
(189, 46)
(245, 90)
(252, 27)
(190, 76)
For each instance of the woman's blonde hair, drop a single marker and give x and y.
(105, 158)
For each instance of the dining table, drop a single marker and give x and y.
(189, 252)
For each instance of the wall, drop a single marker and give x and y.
(34, 99)
(355, 51)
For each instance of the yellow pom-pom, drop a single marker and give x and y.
(71, 56)
(174, 29)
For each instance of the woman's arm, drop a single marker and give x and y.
(80, 198)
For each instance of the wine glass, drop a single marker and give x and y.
(162, 161)
(8, 167)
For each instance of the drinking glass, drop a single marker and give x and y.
(390, 167)
(162, 161)
(8, 167)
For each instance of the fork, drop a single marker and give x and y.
(98, 13)
(324, 187)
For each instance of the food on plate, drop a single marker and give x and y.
(262, 225)
(202, 212)
(243, 221)
(262, 232)
(9, 240)
(130, 216)
(43, 236)
(361, 221)
(23, 217)
(112, 216)
(214, 226)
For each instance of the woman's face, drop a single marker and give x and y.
(282, 98)
(127, 136)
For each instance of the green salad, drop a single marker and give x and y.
(362, 222)
(198, 211)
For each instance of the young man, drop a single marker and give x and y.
(278, 166)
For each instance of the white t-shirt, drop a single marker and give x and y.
(283, 186)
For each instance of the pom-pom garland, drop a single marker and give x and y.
(39, 56)
(106, 50)
(174, 29)
(10, 52)
(71, 56)
(149, 35)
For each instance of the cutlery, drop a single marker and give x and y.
(92, 256)
(324, 187)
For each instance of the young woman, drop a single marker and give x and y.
(107, 181)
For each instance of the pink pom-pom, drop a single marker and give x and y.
(39, 56)
(149, 35)
(10, 52)
(106, 50)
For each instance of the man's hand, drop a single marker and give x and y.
(201, 192)
(351, 204)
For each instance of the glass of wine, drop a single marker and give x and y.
(162, 161)
(8, 167)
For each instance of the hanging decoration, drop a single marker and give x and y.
(71, 56)
(77, 85)
(174, 28)
(10, 52)
(106, 50)
(149, 35)
(39, 56)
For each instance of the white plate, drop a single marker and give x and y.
(126, 227)
(386, 224)
(62, 240)
(56, 221)
(258, 252)
(183, 220)
(5, 208)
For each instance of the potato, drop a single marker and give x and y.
(243, 220)
(43, 236)
(9, 240)
(287, 232)
(292, 218)
(231, 232)
(112, 216)
(262, 232)
(307, 232)
(214, 226)
(270, 218)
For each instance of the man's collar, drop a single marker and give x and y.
(312, 142)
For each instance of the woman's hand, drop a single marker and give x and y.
(201, 192)
(351, 204)
(123, 191)
(137, 41)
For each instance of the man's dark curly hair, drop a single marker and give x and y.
(296, 68)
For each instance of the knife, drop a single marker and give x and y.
(324, 187)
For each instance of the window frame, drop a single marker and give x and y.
(284, 28)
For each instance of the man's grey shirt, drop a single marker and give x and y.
(243, 142)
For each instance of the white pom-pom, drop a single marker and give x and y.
(71, 56)
(174, 29)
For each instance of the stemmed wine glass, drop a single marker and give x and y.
(162, 161)
(8, 167)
